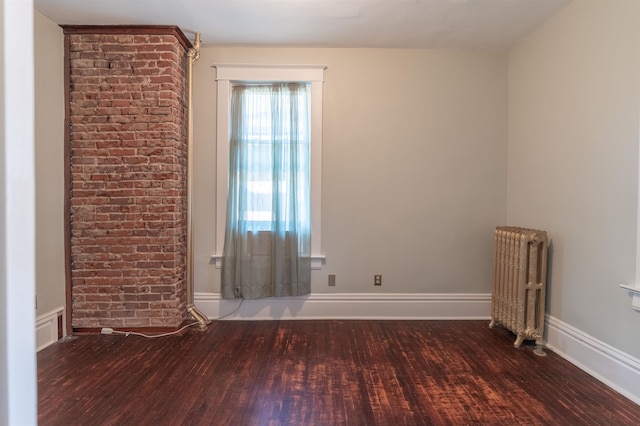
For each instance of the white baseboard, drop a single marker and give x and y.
(396, 306)
(611, 366)
(47, 328)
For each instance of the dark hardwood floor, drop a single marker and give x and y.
(320, 373)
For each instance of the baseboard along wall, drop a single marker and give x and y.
(618, 370)
(47, 328)
(396, 306)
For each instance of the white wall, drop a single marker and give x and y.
(414, 166)
(49, 158)
(574, 104)
(18, 395)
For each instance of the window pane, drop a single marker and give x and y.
(274, 139)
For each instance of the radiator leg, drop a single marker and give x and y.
(519, 340)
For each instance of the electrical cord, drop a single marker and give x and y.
(108, 330)
(230, 313)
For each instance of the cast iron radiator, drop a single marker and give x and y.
(519, 281)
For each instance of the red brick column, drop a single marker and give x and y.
(127, 144)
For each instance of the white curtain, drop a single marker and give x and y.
(268, 230)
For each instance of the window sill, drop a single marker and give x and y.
(635, 292)
(316, 261)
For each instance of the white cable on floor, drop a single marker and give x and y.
(108, 330)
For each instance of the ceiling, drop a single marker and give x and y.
(456, 24)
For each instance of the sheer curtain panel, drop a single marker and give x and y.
(267, 248)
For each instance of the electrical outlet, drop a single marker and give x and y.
(332, 280)
(377, 280)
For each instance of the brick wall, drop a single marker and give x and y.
(127, 136)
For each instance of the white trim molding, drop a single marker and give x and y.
(47, 328)
(383, 306)
(616, 369)
(316, 261)
(634, 291)
(269, 72)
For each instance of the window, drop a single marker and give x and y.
(258, 216)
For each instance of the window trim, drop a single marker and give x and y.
(634, 288)
(227, 74)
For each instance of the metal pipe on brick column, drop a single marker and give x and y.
(193, 54)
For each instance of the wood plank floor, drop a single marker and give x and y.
(320, 373)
